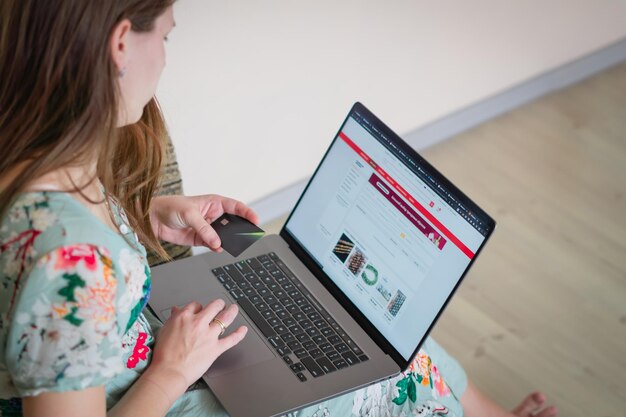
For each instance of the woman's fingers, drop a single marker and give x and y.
(233, 206)
(232, 339)
(190, 308)
(206, 234)
(208, 313)
(226, 317)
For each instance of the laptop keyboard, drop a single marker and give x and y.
(299, 329)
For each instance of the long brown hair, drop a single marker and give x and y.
(59, 101)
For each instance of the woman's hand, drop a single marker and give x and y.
(189, 342)
(186, 220)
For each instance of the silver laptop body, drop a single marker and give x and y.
(379, 241)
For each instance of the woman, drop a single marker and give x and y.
(82, 140)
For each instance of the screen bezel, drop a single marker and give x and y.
(328, 283)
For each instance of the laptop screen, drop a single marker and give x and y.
(387, 229)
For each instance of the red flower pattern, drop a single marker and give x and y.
(69, 256)
(140, 351)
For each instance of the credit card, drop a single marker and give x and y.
(236, 233)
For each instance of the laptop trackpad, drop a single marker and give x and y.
(251, 350)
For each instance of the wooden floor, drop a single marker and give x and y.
(545, 305)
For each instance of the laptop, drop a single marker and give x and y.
(344, 296)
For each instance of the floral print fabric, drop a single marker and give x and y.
(71, 296)
(423, 390)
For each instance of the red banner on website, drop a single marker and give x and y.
(411, 200)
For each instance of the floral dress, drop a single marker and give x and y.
(72, 315)
(72, 292)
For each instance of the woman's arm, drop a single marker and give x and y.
(187, 345)
(152, 395)
(147, 397)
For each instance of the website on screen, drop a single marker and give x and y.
(387, 240)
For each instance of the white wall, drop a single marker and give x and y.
(255, 90)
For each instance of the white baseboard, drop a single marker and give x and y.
(281, 202)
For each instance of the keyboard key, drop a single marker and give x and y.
(312, 366)
(289, 321)
(350, 358)
(326, 364)
(309, 345)
(288, 337)
(234, 273)
(342, 347)
(254, 263)
(363, 358)
(357, 350)
(276, 341)
(301, 353)
(243, 267)
(297, 367)
(301, 302)
(295, 329)
(268, 314)
(283, 350)
(327, 331)
(314, 316)
(256, 317)
(334, 339)
(287, 360)
(333, 355)
(306, 324)
(319, 339)
(340, 363)
(274, 322)
(294, 345)
(326, 347)
(319, 323)
(280, 329)
(301, 376)
(303, 337)
(313, 332)
(286, 301)
(316, 353)
(261, 307)
(236, 293)
(284, 268)
(307, 308)
(293, 309)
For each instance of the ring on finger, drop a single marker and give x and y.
(222, 325)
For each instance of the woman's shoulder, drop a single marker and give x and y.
(41, 221)
(52, 231)
(67, 281)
